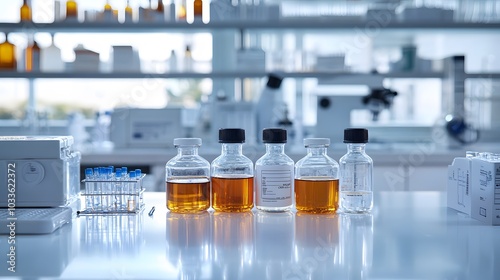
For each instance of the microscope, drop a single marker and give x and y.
(343, 95)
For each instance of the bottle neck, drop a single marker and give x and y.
(275, 148)
(187, 151)
(356, 148)
(232, 149)
(316, 151)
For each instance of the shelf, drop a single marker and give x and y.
(482, 76)
(320, 23)
(216, 75)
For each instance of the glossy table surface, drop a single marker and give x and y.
(409, 235)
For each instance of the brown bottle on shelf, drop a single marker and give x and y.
(198, 8)
(32, 57)
(160, 8)
(107, 6)
(7, 55)
(129, 12)
(71, 9)
(25, 12)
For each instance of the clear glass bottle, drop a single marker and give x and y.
(25, 12)
(274, 174)
(316, 179)
(50, 58)
(356, 168)
(187, 178)
(232, 174)
(181, 10)
(7, 55)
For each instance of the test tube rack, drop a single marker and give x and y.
(124, 196)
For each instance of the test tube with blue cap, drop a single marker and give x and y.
(131, 189)
(89, 187)
(125, 172)
(118, 189)
(96, 200)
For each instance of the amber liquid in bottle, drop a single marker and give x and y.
(160, 8)
(128, 10)
(198, 8)
(188, 195)
(71, 9)
(7, 56)
(317, 195)
(25, 11)
(32, 58)
(107, 6)
(232, 194)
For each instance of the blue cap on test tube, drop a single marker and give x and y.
(124, 170)
(132, 174)
(138, 173)
(118, 173)
(88, 173)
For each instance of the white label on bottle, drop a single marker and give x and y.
(274, 185)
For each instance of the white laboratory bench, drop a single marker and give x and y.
(409, 235)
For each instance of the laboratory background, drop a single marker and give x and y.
(101, 94)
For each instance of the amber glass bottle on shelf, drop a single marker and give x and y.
(129, 12)
(128, 8)
(107, 6)
(71, 9)
(198, 8)
(32, 57)
(25, 11)
(7, 55)
(160, 8)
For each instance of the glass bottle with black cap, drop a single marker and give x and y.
(232, 174)
(356, 168)
(274, 174)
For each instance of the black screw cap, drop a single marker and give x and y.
(274, 135)
(274, 81)
(355, 135)
(231, 135)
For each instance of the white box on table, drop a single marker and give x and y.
(485, 182)
(458, 189)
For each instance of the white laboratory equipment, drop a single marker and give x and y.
(234, 114)
(268, 100)
(338, 98)
(41, 171)
(145, 128)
